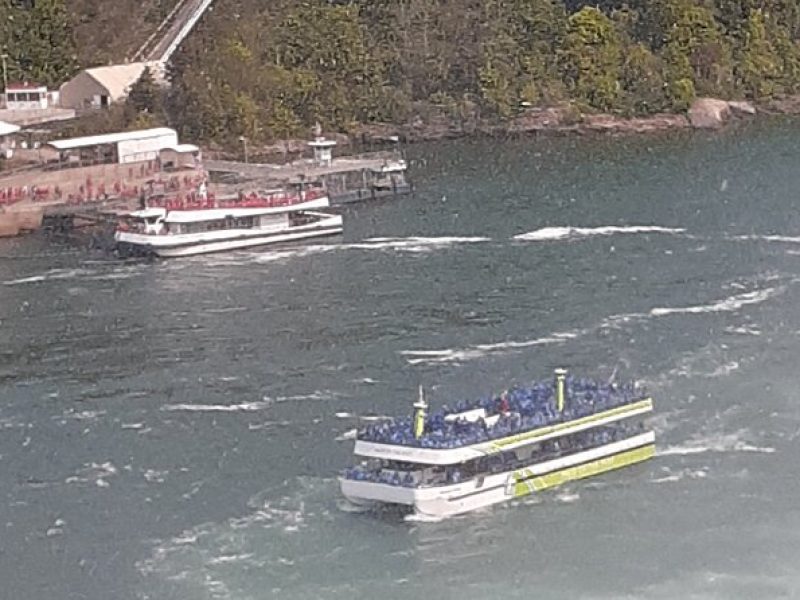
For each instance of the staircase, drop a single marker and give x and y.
(161, 45)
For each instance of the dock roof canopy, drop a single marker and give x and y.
(111, 138)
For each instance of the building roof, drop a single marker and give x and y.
(111, 138)
(25, 85)
(117, 79)
(183, 148)
(8, 128)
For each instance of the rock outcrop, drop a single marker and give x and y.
(713, 113)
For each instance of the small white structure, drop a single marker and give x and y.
(182, 156)
(101, 86)
(26, 96)
(124, 147)
(7, 144)
(323, 151)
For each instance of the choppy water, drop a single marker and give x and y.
(173, 430)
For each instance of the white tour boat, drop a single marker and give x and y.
(497, 449)
(184, 229)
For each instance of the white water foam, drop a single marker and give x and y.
(567, 497)
(784, 239)
(349, 415)
(241, 407)
(726, 442)
(254, 406)
(547, 234)
(347, 435)
(51, 274)
(116, 273)
(423, 518)
(94, 472)
(416, 245)
(682, 474)
(482, 350)
(729, 304)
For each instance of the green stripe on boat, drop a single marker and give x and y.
(527, 483)
(532, 435)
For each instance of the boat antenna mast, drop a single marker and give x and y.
(561, 391)
(420, 408)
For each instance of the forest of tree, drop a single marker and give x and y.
(37, 40)
(267, 70)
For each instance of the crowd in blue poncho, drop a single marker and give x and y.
(399, 474)
(520, 410)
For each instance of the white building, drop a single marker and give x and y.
(26, 96)
(101, 86)
(124, 147)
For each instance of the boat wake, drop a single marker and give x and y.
(548, 234)
(283, 536)
(412, 245)
(422, 518)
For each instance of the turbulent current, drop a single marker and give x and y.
(173, 430)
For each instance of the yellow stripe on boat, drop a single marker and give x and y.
(498, 446)
(527, 484)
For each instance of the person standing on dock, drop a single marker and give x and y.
(202, 191)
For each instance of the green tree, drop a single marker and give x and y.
(40, 44)
(760, 66)
(592, 58)
(145, 95)
(643, 81)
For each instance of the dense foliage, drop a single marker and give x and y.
(265, 69)
(46, 41)
(271, 69)
(36, 39)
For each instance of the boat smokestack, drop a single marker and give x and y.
(420, 408)
(561, 385)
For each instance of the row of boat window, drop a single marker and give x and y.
(519, 410)
(412, 475)
(216, 225)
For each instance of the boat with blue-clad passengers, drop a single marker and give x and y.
(501, 447)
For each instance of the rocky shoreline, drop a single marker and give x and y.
(704, 113)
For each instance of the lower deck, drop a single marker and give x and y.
(484, 489)
(294, 226)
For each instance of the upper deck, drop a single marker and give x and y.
(517, 418)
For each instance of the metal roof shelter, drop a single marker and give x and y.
(122, 147)
(8, 128)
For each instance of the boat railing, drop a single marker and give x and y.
(519, 410)
(195, 201)
(498, 463)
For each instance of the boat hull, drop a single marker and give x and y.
(190, 245)
(480, 492)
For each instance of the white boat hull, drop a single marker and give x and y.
(173, 246)
(472, 494)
